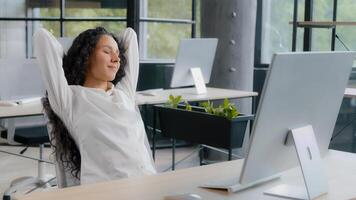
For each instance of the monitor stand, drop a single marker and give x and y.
(315, 182)
(198, 80)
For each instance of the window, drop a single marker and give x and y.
(163, 23)
(276, 28)
(19, 19)
(277, 31)
(347, 34)
(321, 38)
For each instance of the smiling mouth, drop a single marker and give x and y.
(113, 67)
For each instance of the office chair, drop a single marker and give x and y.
(30, 136)
(64, 176)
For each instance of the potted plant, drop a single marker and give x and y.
(221, 127)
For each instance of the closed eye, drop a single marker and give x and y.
(107, 51)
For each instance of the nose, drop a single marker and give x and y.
(115, 57)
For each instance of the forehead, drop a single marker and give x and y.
(107, 41)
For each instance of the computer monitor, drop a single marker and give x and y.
(196, 53)
(19, 79)
(303, 89)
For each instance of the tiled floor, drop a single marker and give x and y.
(12, 167)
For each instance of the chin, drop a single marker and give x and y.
(112, 78)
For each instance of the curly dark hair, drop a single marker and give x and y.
(75, 65)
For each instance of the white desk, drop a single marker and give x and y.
(190, 95)
(350, 92)
(340, 169)
(24, 110)
(35, 108)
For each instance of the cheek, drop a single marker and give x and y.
(98, 63)
(101, 59)
(95, 68)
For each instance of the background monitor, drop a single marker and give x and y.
(300, 89)
(197, 52)
(20, 78)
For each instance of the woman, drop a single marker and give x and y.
(98, 131)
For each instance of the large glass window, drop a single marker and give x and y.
(347, 34)
(277, 28)
(162, 39)
(44, 8)
(98, 8)
(64, 18)
(72, 29)
(163, 23)
(321, 37)
(12, 39)
(169, 9)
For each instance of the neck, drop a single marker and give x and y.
(92, 83)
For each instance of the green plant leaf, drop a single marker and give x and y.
(226, 109)
(173, 101)
(187, 106)
(171, 98)
(177, 99)
(226, 103)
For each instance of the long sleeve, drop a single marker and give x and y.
(49, 54)
(129, 82)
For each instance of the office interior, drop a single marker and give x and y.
(249, 32)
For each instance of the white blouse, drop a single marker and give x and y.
(105, 125)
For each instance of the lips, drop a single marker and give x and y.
(113, 67)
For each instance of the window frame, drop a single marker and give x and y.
(142, 37)
(61, 19)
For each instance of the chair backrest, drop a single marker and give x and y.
(64, 176)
